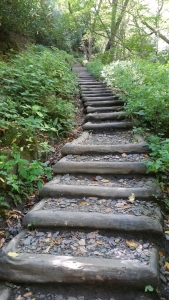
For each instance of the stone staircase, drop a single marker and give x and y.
(98, 225)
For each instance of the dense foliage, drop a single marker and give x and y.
(143, 85)
(37, 88)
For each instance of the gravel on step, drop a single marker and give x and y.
(85, 244)
(115, 137)
(108, 158)
(105, 206)
(107, 180)
(75, 292)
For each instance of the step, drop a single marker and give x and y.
(89, 81)
(92, 90)
(103, 109)
(117, 216)
(43, 267)
(101, 93)
(56, 188)
(64, 167)
(103, 103)
(107, 125)
(105, 116)
(70, 148)
(104, 98)
(92, 84)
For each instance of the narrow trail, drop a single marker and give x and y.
(95, 235)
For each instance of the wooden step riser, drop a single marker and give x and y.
(52, 189)
(103, 126)
(118, 168)
(105, 116)
(107, 149)
(103, 109)
(103, 103)
(96, 221)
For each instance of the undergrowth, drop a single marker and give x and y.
(143, 85)
(36, 102)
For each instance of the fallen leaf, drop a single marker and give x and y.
(131, 243)
(117, 240)
(47, 249)
(30, 204)
(2, 241)
(83, 203)
(166, 266)
(12, 254)
(2, 232)
(29, 294)
(145, 156)
(100, 243)
(105, 180)
(161, 253)
(2, 179)
(124, 155)
(47, 240)
(131, 198)
(14, 140)
(167, 232)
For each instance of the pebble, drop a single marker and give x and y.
(82, 243)
(115, 137)
(110, 158)
(107, 206)
(107, 180)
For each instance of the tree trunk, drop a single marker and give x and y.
(115, 23)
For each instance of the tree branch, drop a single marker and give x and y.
(164, 38)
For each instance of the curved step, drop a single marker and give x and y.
(92, 90)
(103, 109)
(54, 188)
(90, 109)
(106, 125)
(92, 83)
(103, 93)
(103, 103)
(64, 167)
(114, 222)
(106, 116)
(44, 267)
(93, 86)
(105, 98)
(105, 149)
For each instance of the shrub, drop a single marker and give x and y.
(36, 97)
(144, 86)
(95, 67)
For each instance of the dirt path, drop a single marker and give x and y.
(95, 234)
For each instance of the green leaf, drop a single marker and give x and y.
(149, 288)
